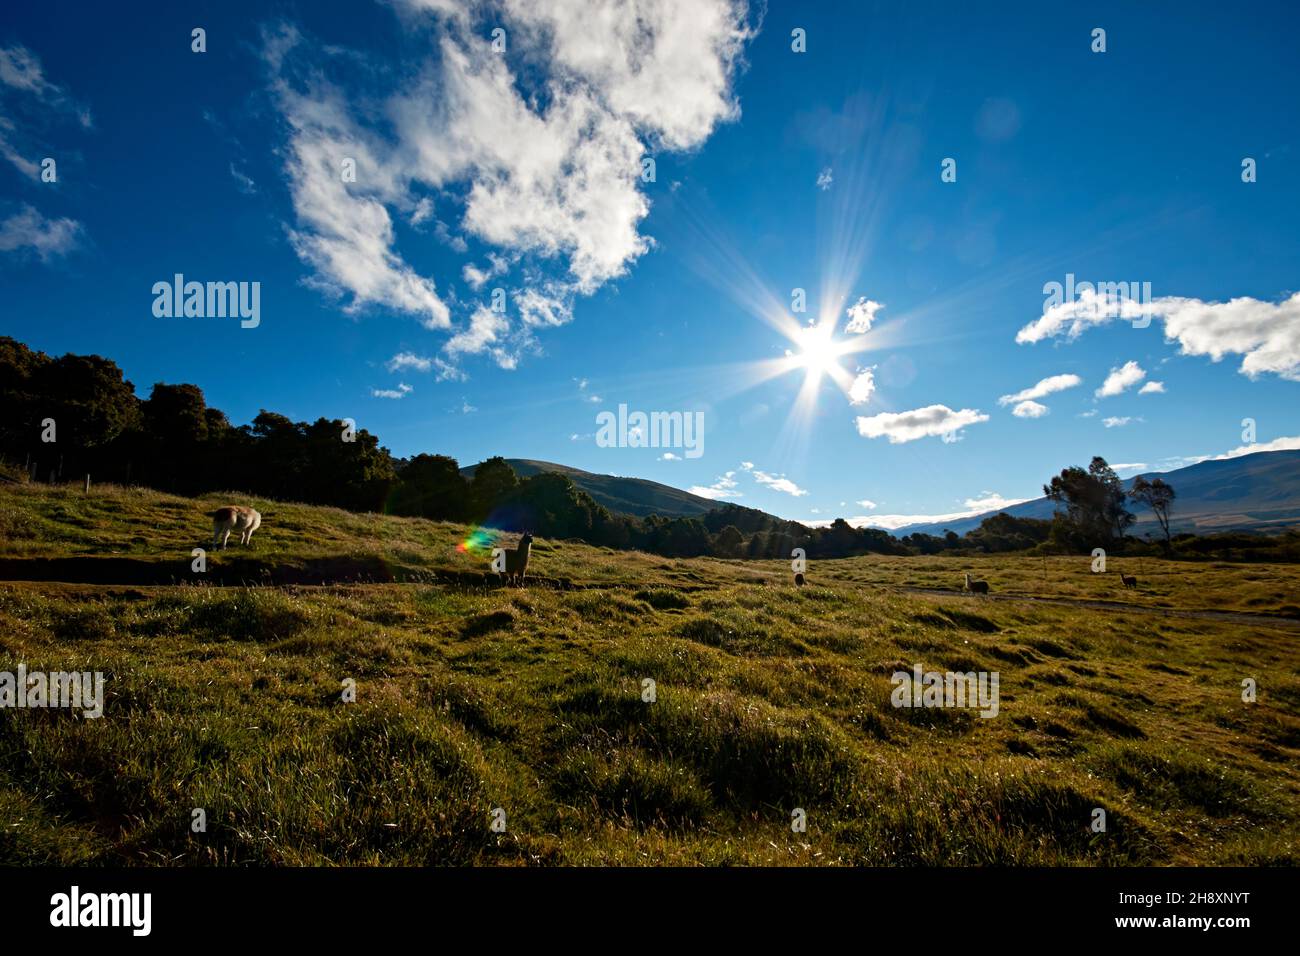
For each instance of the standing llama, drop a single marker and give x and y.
(1128, 580)
(234, 518)
(976, 587)
(517, 559)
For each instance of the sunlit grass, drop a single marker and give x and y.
(768, 698)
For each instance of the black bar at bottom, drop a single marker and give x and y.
(301, 905)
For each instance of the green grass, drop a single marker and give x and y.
(768, 698)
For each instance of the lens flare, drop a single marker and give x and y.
(479, 542)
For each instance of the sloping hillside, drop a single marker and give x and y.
(1258, 492)
(632, 496)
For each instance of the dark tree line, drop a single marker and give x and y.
(174, 441)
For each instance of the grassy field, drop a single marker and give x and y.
(768, 699)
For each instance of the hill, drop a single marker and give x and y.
(631, 496)
(623, 708)
(1259, 492)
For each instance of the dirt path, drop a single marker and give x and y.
(1232, 617)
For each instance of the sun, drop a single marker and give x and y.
(818, 352)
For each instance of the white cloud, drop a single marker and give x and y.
(723, 487)
(862, 314)
(1265, 334)
(1132, 466)
(48, 238)
(243, 181)
(541, 149)
(401, 391)
(590, 397)
(919, 423)
(779, 483)
(1073, 317)
(465, 407)
(1277, 444)
(408, 360)
(825, 178)
(344, 229)
(422, 212)
(485, 333)
(992, 501)
(892, 522)
(421, 363)
(21, 70)
(474, 275)
(441, 232)
(1287, 443)
(36, 103)
(1030, 410)
(1152, 388)
(1120, 379)
(868, 504)
(669, 456)
(864, 385)
(551, 305)
(1117, 422)
(1046, 386)
(448, 372)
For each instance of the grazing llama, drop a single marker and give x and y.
(1129, 580)
(976, 587)
(234, 518)
(798, 579)
(517, 559)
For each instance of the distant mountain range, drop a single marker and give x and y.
(1258, 492)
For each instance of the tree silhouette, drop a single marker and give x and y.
(1094, 500)
(1159, 496)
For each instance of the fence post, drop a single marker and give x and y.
(87, 484)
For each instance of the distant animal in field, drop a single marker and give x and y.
(798, 579)
(1129, 580)
(976, 587)
(234, 518)
(517, 560)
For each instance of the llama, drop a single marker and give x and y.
(517, 559)
(798, 579)
(1128, 580)
(976, 587)
(234, 518)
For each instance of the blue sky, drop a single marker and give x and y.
(774, 170)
